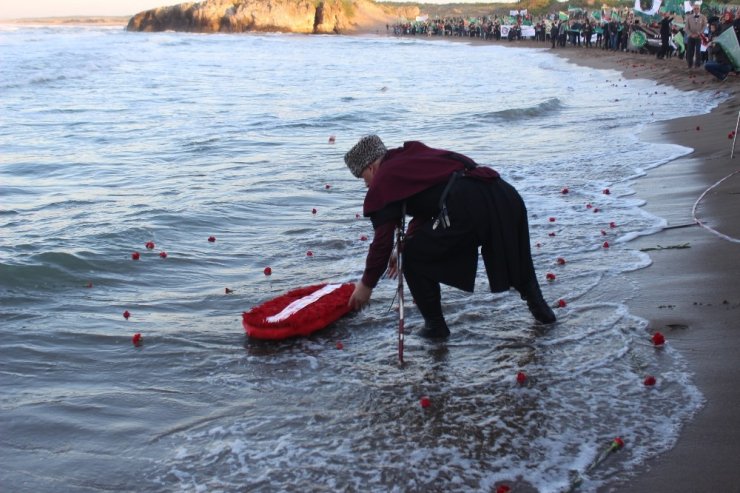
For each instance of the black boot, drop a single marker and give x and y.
(536, 303)
(435, 329)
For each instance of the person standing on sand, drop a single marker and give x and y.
(694, 25)
(665, 34)
(457, 207)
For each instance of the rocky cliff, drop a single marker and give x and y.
(296, 16)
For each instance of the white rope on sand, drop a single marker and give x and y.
(700, 223)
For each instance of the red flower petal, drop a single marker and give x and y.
(327, 186)
(309, 253)
(212, 239)
(606, 244)
(550, 276)
(618, 442)
(228, 291)
(163, 254)
(658, 339)
(313, 211)
(561, 261)
(363, 238)
(332, 139)
(649, 381)
(340, 345)
(126, 314)
(551, 234)
(424, 401)
(588, 206)
(552, 219)
(606, 191)
(268, 271)
(562, 303)
(521, 378)
(149, 245)
(137, 339)
(135, 256)
(564, 190)
(503, 488)
(612, 224)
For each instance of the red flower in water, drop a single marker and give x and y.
(730, 135)
(538, 244)
(228, 291)
(588, 206)
(618, 443)
(268, 271)
(357, 216)
(603, 233)
(551, 234)
(552, 219)
(212, 239)
(606, 191)
(313, 211)
(149, 245)
(363, 238)
(424, 401)
(596, 209)
(658, 339)
(521, 378)
(332, 139)
(562, 303)
(340, 345)
(649, 381)
(309, 253)
(612, 224)
(137, 340)
(327, 186)
(550, 276)
(698, 128)
(135, 256)
(606, 244)
(89, 284)
(564, 190)
(503, 488)
(561, 261)
(163, 254)
(126, 314)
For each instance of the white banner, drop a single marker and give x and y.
(653, 10)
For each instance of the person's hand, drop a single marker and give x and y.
(360, 296)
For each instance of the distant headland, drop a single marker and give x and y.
(301, 16)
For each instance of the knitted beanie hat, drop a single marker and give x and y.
(362, 155)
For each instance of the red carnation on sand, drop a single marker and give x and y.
(212, 239)
(126, 314)
(149, 245)
(606, 191)
(550, 276)
(561, 261)
(521, 378)
(562, 303)
(135, 256)
(606, 244)
(564, 190)
(658, 339)
(313, 211)
(309, 253)
(552, 219)
(363, 238)
(649, 381)
(424, 401)
(268, 271)
(340, 345)
(137, 339)
(163, 254)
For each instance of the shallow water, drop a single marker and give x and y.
(112, 139)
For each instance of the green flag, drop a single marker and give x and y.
(728, 41)
(562, 16)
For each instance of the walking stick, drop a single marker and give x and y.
(399, 272)
(734, 136)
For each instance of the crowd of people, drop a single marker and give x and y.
(691, 36)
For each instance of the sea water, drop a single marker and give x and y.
(112, 139)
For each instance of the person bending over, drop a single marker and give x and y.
(457, 207)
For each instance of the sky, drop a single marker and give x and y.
(17, 9)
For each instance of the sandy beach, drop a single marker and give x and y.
(691, 294)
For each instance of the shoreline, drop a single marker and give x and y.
(690, 294)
